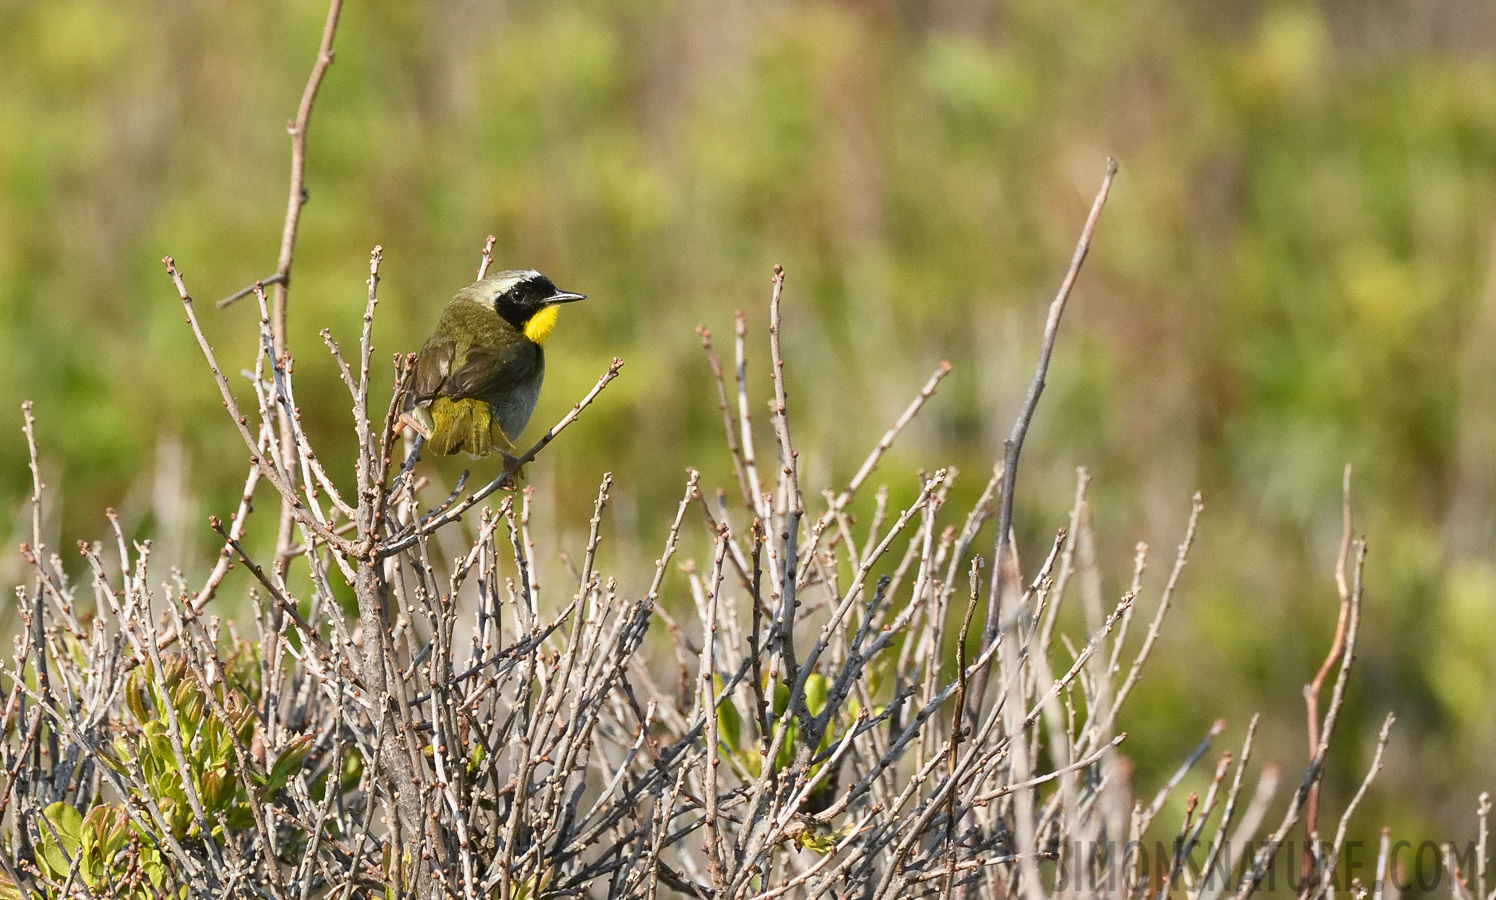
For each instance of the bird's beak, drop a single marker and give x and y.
(565, 297)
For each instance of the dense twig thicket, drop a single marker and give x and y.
(829, 724)
(460, 731)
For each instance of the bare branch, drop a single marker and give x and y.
(1014, 445)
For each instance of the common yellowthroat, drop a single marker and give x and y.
(478, 376)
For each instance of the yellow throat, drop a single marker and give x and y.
(538, 328)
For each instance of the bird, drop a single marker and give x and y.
(478, 376)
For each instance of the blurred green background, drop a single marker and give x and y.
(1293, 273)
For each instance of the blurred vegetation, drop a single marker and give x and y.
(1293, 274)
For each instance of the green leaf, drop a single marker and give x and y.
(475, 758)
(104, 831)
(239, 817)
(116, 754)
(218, 785)
(787, 749)
(244, 725)
(815, 693)
(289, 763)
(190, 709)
(729, 723)
(135, 688)
(172, 670)
(60, 842)
(9, 891)
(821, 841)
(150, 863)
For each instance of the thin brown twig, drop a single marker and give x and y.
(1197, 505)
(1315, 770)
(1228, 814)
(1483, 815)
(277, 592)
(369, 519)
(487, 256)
(727, 419)
(718, 867)
(835, 505)
(405, 374)
(892, 434)
(787, 454)
(296, 198)
(284, 486)
(243, 292)
(1014, 445)
(1350, 808)
(1313, 688)
(38, 643)
(954, 744)
(745, 417)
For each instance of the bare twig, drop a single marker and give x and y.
(296, 198)
(1312, 774)
(1154, 628)
(1313, 688)
(243, 292)
(1350, 808)
(487, 256)
(1014, 445)
(265, 462)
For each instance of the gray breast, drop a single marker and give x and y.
(513, 409)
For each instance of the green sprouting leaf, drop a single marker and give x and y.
(255, 776)
(244, 725)
(9, 890)
(729, 723)
(787, 749)
(117, 753)
(151, 864)
(289, 763)
(135, 695)
(475, 758)
(105, 831)
(819, 841)
(218, 784)
(59, 843)
(191, 706)
(216, 748)
(172, 670)
(815, 693)
(239, 816)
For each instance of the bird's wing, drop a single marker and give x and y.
(432, 368)
(482, 371)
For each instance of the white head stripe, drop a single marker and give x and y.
(505, 281)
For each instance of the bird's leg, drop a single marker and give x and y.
(511, 470)
(407, 420)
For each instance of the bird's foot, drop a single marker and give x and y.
(512, 470)
(407, 420)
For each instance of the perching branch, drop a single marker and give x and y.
(442, 516)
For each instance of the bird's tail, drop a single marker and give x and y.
(466, 426)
